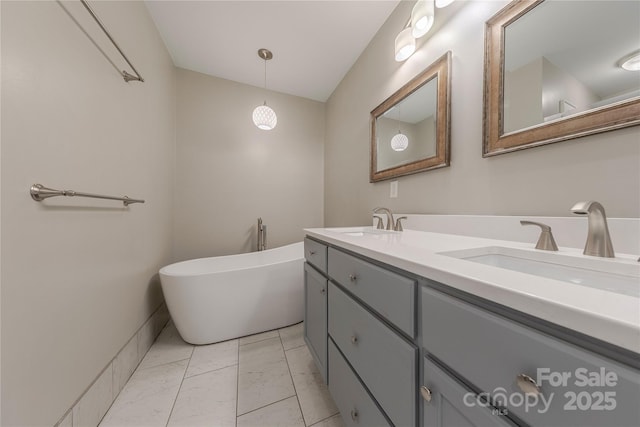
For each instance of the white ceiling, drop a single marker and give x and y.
(314, 43)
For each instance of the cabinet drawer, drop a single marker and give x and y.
(355, 405)
(453, 405)
(385, 362)
(388, 293)
(315, 317)
(491, 352)
(316, 254)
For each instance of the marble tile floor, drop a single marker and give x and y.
(266, 380)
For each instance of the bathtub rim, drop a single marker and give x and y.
(164, 271)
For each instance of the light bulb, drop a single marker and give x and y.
(405, 45)
(422, 17)
(264, 117)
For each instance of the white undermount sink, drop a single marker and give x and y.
(621, 276)
(361, 231)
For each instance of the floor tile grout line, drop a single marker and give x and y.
(253, 342)
(138, 369)
(267, 405)
(324, 419)
(293, 348)
(210, 371)
(304, 421)
(179, 388)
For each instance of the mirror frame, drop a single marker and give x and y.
(495, 141)
(441, 69)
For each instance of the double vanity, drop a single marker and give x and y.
(425, 329)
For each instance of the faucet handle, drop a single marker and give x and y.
(545, 241)
(398, 226)
(379, 225)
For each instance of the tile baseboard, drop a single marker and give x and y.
(94, 402)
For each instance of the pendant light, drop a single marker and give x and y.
(263, 116)
(399, 142)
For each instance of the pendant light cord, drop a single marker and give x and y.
(265, 73)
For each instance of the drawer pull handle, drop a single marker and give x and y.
(528, 385)
(426, 393)
(354, 415)
(353, 277)
(322, 291)
(354, 339)
(311, 253)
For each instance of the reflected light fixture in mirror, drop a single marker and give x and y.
(631, 62)
(263, 116)
(400, 141)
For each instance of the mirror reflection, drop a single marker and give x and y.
(570, 65)
(407, 131)
(557, 70)
(410, 129)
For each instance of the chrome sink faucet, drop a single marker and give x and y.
(598, 238)
(390, 220)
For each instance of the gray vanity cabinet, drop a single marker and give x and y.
(354, 402)
(316, 254)
(384, 361)
(448, 403)
(568, 385)
(406, 351)
(387, 293)
(315, 317)
(315, 310)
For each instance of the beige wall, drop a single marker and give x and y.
(539, 181)
(78, 274)
(229, 172)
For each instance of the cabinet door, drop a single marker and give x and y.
(353, 401)
(447, 403)
(570, 386)
(315, 316)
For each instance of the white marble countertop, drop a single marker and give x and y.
(608, 316)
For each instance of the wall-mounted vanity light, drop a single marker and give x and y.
(422, 16)
(421, 21)
(263, 116)
(405, 44)
(443, 3)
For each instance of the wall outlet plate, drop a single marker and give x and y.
(393, 189)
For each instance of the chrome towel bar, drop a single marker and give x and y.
(39, 192)
(126, 76)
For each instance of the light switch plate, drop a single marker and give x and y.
(393, 189)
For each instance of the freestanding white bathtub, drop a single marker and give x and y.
(219, 298)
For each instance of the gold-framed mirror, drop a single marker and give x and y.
(554, 71)
(410, 130)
